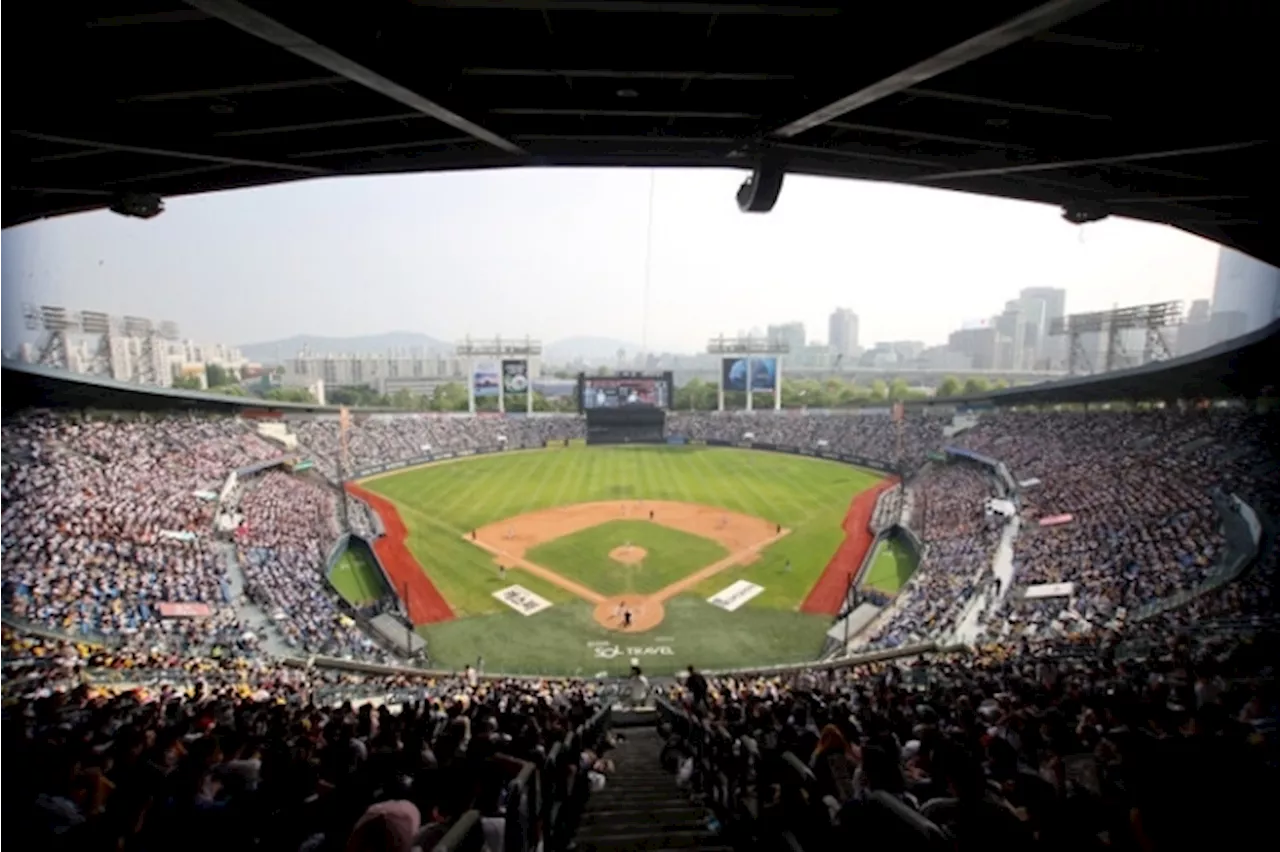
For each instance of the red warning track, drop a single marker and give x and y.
(828, 593)
(425, 603)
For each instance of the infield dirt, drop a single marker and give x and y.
(744, 536)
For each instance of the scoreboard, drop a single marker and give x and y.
(625, 390)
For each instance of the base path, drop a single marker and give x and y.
(421, 598)
(828, 594)
(744, 536)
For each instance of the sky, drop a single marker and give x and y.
(555, 253)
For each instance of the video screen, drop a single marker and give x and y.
(625, 392)
(764, 374)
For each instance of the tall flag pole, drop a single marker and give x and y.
(344, 464)
(898, 415)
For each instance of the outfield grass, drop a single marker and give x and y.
(356, 578)
(584, 556)
(441, 503)
(891, 566)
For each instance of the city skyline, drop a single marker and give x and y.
(557, 253)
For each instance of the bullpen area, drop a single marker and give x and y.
(574, 561)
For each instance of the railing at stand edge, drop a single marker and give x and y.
(522, 811)
(735, 782)
(467, 835)
(564, 782)
(543, 803)
(724, 767)
(844, 662)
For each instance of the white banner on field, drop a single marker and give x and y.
(522, 600)
(1050, 590)
(735, 595)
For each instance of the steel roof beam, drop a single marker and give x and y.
(1002, 104)
(273, 32)
(148, 150)
(925, 136)
(623, 113)
(665, 8)
(1030, 23)
(999, 103)
(1025, 168)
(226, 91)
(321, 125)
(606, 74)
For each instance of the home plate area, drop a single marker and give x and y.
(631, 602)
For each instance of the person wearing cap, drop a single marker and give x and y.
(386, 827)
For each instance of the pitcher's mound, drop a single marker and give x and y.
(628, 554)
(646, 613)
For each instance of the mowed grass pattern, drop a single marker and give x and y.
(441, 503)
(584, 556)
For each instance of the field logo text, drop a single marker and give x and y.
(609, 651)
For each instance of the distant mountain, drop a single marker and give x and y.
(272, 351)
(596, 351)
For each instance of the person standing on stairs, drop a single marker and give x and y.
(638, 685)
(697, 686)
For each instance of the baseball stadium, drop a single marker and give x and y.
(638, 588)
(590, 534)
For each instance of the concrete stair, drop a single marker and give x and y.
(641, 808)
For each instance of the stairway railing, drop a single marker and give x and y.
(543, 803)
(467, 835)
(724, 767)
(547, 804)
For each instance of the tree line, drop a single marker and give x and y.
(696, 395)
(699, 395)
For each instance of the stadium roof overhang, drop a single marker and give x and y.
(31, 386)
(1139, 108)
(1243, 368)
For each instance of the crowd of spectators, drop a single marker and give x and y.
(1138, 488)
(874, 436)
(290, 524)
(245, 754)
(1015, 747)
(105, 520)
(893, 505)
(178, 730)
(959, 538)
(378, 439)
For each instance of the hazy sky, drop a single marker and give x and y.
(554, 253)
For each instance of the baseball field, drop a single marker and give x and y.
(576, 560)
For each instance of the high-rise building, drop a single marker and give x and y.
(1040, 307)
(790, 333)
(842, 332)
(1199, 311)
(978, 343)
(1246, 287)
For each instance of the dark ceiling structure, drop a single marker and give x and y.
(1152, 109)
